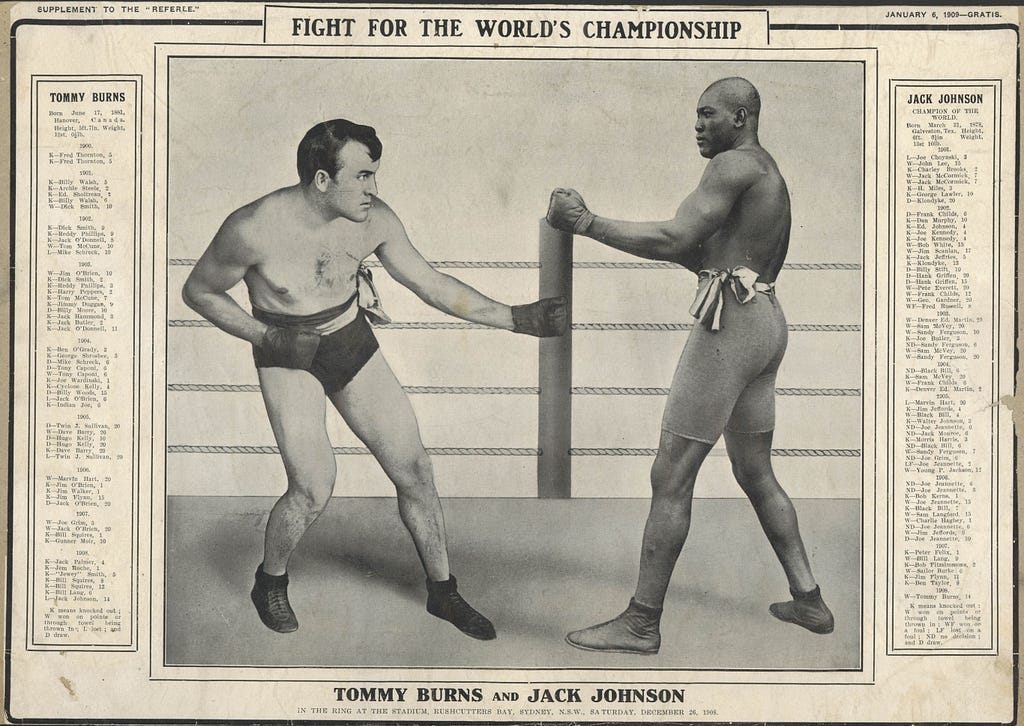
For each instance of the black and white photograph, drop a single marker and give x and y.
(344, 488)
(468, 363)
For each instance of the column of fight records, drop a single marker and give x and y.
(945, 268)
(83, 381)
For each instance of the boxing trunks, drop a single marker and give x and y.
(343, 349)
(725, 378)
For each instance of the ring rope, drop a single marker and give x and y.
(653, 391)
(254, 388)
(449, 264)
(491, 451)
(509, 390)
(445, 325)
(674, 265)
(597, 265)
(475, 390)
(715, 452)
(352, 450)
(795, 327)
(474, 264)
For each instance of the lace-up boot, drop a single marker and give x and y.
(270, 596)
(445, 602)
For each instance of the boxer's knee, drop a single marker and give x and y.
(311, 488)
(414, 474)
(675, 468)
(750, 457)
(312, 498)
(670, 478)
(750, 474)
(754, 474)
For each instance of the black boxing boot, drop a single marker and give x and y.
(807, 610)
(445, 602)
(270, 596)
(637, 630)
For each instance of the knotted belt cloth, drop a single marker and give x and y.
(707, 305)
(369, 299)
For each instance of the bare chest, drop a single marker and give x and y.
(301, 270)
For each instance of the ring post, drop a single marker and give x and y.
(554, 431)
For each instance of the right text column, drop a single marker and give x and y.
(941, 522)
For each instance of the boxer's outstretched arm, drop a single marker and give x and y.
(700, 215)
(221, 267)
(444, 292)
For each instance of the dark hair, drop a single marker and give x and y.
(320, 146)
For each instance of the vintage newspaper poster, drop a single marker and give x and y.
(526, 363)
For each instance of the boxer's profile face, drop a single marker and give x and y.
(714, 127)
(351, 191)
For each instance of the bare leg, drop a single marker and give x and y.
(750, 455)
(673, 476)
(379, 413)
(672, 480)
(295, 405)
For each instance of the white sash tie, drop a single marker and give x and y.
(707, 305)
(369, 299)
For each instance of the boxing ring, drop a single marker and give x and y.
(541, 452)
(597, 446)
(541, 449)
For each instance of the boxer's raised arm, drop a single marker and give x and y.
(678, 239)
(444, 292)
(221, 267)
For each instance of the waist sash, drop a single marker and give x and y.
(317, 320)
(707, 305)
(369, 300)
(334, 318)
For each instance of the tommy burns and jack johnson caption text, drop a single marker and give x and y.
(537, 695)
(538, 701)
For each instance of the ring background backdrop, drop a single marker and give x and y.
(472, 149)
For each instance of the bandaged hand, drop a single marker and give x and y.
(290, 347)
(545, 318)
(568, 212)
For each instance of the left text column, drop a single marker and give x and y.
(83, 495)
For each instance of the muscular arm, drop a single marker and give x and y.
(700, 215)
(220, 268)
(444, 292)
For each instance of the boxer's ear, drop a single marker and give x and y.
(740, 117)
(321, 179)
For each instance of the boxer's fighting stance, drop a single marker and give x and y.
(733, 231)
(300, 251)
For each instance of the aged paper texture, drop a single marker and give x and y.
(555, 363)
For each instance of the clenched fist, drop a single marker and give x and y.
(545, 318)
(568, 212)
(290, 347)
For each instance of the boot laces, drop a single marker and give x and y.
(458, 608)
(277, 602)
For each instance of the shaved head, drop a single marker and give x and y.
(727, 116)
(736, 92)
